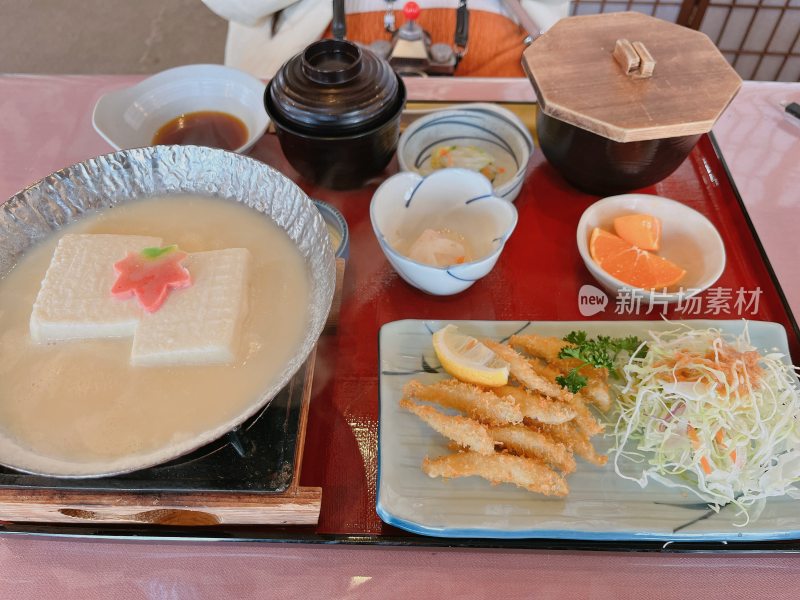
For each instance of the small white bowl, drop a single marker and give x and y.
(457, 199)
(488, 126)
(130, 117)
(687, 238)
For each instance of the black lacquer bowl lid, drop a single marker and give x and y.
(333, 88)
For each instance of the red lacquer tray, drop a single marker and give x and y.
(538, 277)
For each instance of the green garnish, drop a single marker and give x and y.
(600, 352)
(157, 252)
(573, 381)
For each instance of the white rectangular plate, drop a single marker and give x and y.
(600, 506)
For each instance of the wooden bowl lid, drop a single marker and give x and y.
(630, 77)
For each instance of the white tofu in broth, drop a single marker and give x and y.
(74, 301)
(199, 324)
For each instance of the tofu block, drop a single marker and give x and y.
(75, 301)
(201, 324)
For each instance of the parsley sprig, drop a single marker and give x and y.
(600, 352)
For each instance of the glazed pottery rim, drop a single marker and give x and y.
(384, 242)
(717, 269)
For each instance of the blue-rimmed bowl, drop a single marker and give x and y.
(457, 200)
(337, 228)
(490, 127)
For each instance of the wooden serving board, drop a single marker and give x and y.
(297, 505)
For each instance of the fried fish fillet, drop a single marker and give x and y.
(547, 349)
(528, 473)
(574, 439)
(465, 432)
(526, 441)
(538, 407)
(540, 346)
(596, 390)
(583, 416)
(584, 419)
(550, 373)
(524, 373)
(467, 398)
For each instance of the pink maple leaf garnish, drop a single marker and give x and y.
(150, 275)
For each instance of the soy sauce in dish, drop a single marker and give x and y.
(203, 128)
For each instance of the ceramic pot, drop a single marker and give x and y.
(624, 97)
(598, 165)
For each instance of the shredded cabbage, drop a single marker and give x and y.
(707, 412)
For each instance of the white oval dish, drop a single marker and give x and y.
(688, 239)
(490, 127)
(130, 117)
(458, 199)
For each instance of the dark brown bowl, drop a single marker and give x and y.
(598, 165)
(340, 162)
(336, 109)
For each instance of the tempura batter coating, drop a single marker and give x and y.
(550, 373)
(528, 473)
(526, 441)
(467, 398)
(536, 406)
(596, 390)
(569, 435)
(583, 417)
(544, 347)
(524, 373)
(547, 348)
(465, 432)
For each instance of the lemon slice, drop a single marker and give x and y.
(467, 359)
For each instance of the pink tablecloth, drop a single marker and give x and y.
(762, 149)
(89, 570)
(45, 124)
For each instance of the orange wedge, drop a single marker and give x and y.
(631, 265)
(642, 231)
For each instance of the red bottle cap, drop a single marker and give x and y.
(411, 10)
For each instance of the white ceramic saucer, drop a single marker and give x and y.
(129, 118)
(688, 239)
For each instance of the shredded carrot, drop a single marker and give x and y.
(688, 365)
(719, 438)
(692, 432)
(693, 436)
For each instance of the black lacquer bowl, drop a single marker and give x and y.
(598, 165)
(336, 108)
